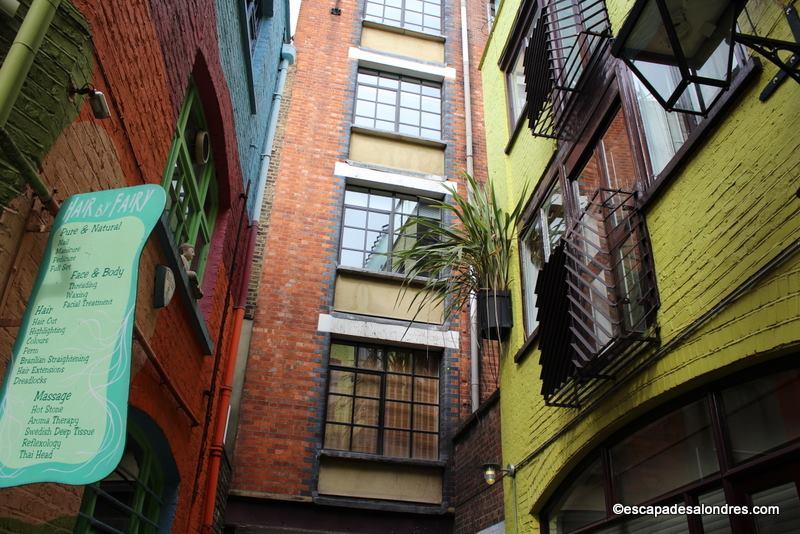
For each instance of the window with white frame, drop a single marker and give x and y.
(420, 15)
(398, 103)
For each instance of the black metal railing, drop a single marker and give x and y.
(597, 298)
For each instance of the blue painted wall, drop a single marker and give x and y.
(237, 63)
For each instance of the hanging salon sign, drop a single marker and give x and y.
(64, 400)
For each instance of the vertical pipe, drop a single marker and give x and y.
(23, 50)
(474, 353)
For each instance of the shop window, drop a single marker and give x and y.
(383, 401)
(538, 241)
(133, 498)
(420, 15)
(692, 456)
(191, 183)
(397, 103)
(378, 224)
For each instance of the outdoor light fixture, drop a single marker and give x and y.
(682, 50)
(97, 101)
(490, 472)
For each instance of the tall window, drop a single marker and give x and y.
(538, 241)
(190, 182)
(131, 498)
(420, 15)
(383, 400)
(399, 104)
(515, 78)
(255, 12)
(736, 446)
(376, 226)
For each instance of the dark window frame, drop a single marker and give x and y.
(515, 47)
(384, 373)
(421, 28)
(766, 468)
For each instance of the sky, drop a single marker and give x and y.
(294, 11)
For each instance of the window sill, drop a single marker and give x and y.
(417, 281)
(518, 127)
(390, 460)
(404, 31)
(525, 349)
(750, 71)
(399, 137)
(183, 286)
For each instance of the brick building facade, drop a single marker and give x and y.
(159, 66)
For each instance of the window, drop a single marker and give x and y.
(398, 104)
(376, 225)
(538, 241)
(420, 15)
(132, 498)
(744, 456)
(255, 11)
(190, 182)
(383, 400)
(515, 75)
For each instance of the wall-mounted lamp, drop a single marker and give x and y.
(683, 51)
(97, 101)
(490, 472)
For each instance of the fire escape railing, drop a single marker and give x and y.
(597, 298)
(568, 42)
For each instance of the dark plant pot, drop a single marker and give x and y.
(494, 314)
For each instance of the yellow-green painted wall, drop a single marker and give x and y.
(730, 210)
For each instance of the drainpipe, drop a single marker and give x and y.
(474, 353)
(20, 56)
(288, 54)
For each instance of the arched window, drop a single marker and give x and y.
(190, 181)
(139, 495)
(737, 445)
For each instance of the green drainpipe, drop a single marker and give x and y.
(20, 56)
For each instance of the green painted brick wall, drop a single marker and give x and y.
(732, 208)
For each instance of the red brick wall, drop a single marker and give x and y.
(145, 55)
(477, 505)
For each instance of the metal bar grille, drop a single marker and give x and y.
(597, 298)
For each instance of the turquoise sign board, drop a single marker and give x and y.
(64, 400)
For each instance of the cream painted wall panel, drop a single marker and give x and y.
(353, 478)
(381, 298)
(396, 154)
(403, 45)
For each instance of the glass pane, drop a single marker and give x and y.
(367, 93)
(377, 262)
(337, 437)
(386, 80)
(426, 418)
(366, 412)
(380, 201)
(532, 251)
(398, 387)
(396, 443)
(516, 88)
(355, 197)
(368, 385)
(398, 361)
(430, 120)
(397, 415)
(714, 523)
(409, 100)
(426, 390)
(370, 358)
(366, 109)
(352, 238)
(582, 503)
(362, 121)
(762, 414)
(385, 112)
(665, 455)
(365, 440)
(426, 364)
(342, 382)
(357, 218)
(426, 446)
(431, 104)
(351, 258)
(387, 96)
(378, 221)
(340, 409)
(785, 497)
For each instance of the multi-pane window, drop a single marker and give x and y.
(130, 499)
(383, 400)
(420, 15)
(190, 182)
(254, 10)
(377, 224)
(515, 84)
(538, 241)
(399, 104)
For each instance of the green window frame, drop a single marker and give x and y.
(190, 182)
(131, 498)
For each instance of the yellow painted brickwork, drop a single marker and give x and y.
(401, 44)
(729, 211)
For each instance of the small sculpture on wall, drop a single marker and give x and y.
(187, 255)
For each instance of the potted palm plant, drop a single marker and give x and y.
(470, 256)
